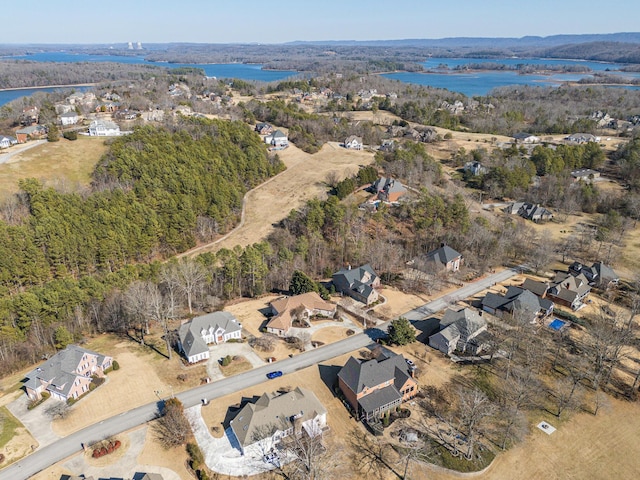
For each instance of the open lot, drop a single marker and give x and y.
(303, 180)
(59, 163)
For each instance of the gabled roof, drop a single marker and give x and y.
(605, 273)
(443, 255)
(278, 134)
(359, 375)
(284, 306)
(388, 185)
(356, 278)
(190, 333)
(568, 287)
(60, 371)
(152, 476)
(536, 287)
(517, 298)
(463, 323)
(351, 138)
(71, 114)
(259, 420)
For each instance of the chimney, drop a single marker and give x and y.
(349, 266)
(443, 244)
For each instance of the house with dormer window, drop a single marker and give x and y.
(195, 336)
(67, 374)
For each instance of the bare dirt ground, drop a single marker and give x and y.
(397, 303)
(69, 162)
(303, 180)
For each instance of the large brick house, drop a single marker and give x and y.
(376, 386)
(67, 374)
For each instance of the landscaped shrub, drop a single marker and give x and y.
(1, 458)
(115, 365)
(70, 135)
(226, 360)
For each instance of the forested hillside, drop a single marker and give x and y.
(153, 194)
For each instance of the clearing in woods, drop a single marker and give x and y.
(53, 163)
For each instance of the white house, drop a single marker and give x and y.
(6, 142)
(195, 335)
(260, 426)
(104, 128)
(277, 139)
(354, 143)
(69, 118)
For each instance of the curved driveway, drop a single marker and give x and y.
(67, 446)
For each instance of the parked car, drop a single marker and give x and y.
(272, 375)
(410, 363)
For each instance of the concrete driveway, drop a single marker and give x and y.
(217, 352)
(126, 466)
(36, 421)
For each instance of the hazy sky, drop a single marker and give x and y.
(239, 21)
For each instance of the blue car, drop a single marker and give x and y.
(272, 375)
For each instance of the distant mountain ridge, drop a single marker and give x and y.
(485, 42)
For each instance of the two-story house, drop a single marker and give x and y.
(358, 283)
(67, 374)
(195, 335)
(307, 304)
(261, 425)
(375, 386)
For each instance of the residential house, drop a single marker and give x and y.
(582, 138)
(67, 374)
(529, 211)
(259, 427)
(463, 330)
(307, 304)
(358, 283)
(606, 276)
(6, 142)
(475, 168)
(104, 128)
(30, 116)
(264, 128)
(584, 175)
(277, 139)
(195, 335)
(590, 273)
(518, 302)
(569, 290)
(387, 146)
(81, 98)
(523, 137)
(443, 258)
(152, 476)
(61, 108)
(68, 118)
(32, 132)
(108, 107)
(388, 190)
(536, 287)
(354, 143)
(376, 386)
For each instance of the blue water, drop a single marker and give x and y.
(470, 84)
(7, 96)
(481, 83)
(557, 324)
(220, 70)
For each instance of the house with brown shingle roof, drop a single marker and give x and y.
(307, 305)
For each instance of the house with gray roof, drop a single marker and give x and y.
(68, 118)
(6, 141)
(277, 139)
(388, 190)
(606, 276)
(529, 211)
(376, 386)
(358, 283)
(582, 138)
(263, 424)
(67, 374)
(584, 175)
(460, 331)
(569, 290)
(353, 142)
(443, 258)
(195, 336)
(517, 301)
(524, 137)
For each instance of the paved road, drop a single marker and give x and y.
(67, 446)
(468, 290)
(5, 157)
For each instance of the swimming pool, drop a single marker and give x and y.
(557, 324)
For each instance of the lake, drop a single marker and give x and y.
(481, 83)
(470, 84)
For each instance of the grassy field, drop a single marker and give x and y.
(60, 163)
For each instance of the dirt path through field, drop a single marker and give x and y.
(303, 180)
